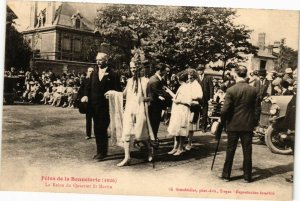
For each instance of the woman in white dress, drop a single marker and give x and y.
(135, 122)
(180, 115)
(196, 96)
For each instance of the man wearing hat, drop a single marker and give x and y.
(206, 83)
(101, 80)
(288, 76)
(263, 85)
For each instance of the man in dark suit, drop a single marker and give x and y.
(157, 97)
(208, 93)
(240, 114)
(83, 106)
(263, 85)
(102, 80)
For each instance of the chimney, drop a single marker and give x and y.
(270, 49)
(50, 13)
(261, 40)
(33, 14)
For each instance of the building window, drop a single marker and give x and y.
(66, 44)
(59, 42)
(77, 45)
(77, 23)
(263, 64)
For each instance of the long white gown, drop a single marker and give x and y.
(134, 117)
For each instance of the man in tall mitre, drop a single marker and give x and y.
(102, 80)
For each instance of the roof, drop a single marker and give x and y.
(65, 12)
(262, 53)
(10, 14)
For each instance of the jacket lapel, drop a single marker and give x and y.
(105, 77)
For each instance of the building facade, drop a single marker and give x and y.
(266, 58)
(62, 36)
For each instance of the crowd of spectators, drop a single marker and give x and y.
(61, 90)
(46, 87)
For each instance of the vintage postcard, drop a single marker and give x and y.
(147, 100)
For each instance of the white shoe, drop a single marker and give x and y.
(178, 152)
(173, 151)
(188, 147)
(125, 162)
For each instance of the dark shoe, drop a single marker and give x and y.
(290, 180)
(99, 156)
(224, 179)
(150, 155)
(154, 144)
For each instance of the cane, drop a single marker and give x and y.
(218, 134)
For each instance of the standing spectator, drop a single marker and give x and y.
(88, 113)
(285, 88)
(102, 79)
(208, 93)
(13, 71)
(51, 75)
(157, 98)
(263, 85)
(288, 76)
(253, 77)
(239, 113)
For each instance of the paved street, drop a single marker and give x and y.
(42, 143)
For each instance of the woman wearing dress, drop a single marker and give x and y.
(180, 114)
(196, 96)
(135, 121)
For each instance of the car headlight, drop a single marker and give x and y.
(274, 109)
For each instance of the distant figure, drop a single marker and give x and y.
(208, 94)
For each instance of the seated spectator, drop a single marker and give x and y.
(54, 89)
(58, 94)
(47, 93)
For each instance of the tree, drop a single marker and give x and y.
(287, 58)
(229, 42)
(17, 50)
(177, 36)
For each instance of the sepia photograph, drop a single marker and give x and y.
(149, 100)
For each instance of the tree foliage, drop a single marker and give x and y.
(177, 36)
(287, 58)
(17, 50)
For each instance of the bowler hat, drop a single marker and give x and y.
(82, 107)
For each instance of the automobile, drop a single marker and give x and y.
(271, 124)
